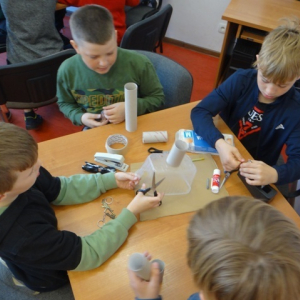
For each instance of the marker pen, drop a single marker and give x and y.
(215, 181)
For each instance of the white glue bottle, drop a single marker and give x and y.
(215, 181)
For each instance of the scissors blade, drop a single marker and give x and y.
(159, 182)
(225, 178)
(155, 185)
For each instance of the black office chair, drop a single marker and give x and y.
(30, 84)
(176, 80)
(145, 9)
(3, 34)
(148, 33)
(289, 191)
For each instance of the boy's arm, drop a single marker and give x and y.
(290, 171)
(151, 96)
(83, 188)
(103, 243)
(202, 119)
(66, 102)
(202, 116)
(100, 245)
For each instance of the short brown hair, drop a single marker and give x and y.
(243, 248)
(92, 24)
(279, 57)
(18, 152)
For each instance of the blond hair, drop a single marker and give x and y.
(92, 24)
(18, 152)
(279, 57)
(243, 249)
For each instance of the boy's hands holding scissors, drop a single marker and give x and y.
(258, 173)
(229, 155)
(141, 202)
(126, 181)
(93, 120)
(115, 113)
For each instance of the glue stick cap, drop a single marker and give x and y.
(217, 172)
(215, 182)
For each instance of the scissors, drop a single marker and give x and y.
(154, 186)
(93, 168)
(154, 150)
(227, 175)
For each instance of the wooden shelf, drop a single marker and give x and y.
(253, 35)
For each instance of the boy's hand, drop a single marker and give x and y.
(229, 155)
(141, 202)
(115, 113)
(258, 173)
(146, 289)
(89, 120)
(126, 181)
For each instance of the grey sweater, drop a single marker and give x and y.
(31, 31)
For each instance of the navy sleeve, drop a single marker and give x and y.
(47, 184)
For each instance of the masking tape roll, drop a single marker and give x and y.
(116, 139)
(155, 137)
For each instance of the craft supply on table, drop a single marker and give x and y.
(196, 143)
(153, 187)
(208, 183)
(130, 90)
(142, 266)
(178, 180)
(111, 160)
(215, 181)
(177, 153)
(155, 150)
(116, 144)
(198, 197)
(155, 137)
(108, 211)
(93, 168)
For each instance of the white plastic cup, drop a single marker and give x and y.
(177, 153)
(140, 265)
(130, 90)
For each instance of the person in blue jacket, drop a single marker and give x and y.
(261, 106)
(238, 248)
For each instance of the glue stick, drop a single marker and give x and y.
(215, 181)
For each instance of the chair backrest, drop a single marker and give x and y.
(146, 34)
(31, 84)
(176, 80)
(145, 9)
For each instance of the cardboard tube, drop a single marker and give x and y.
(140, 265)
(177, 153)
(130, 106)
(155, 137)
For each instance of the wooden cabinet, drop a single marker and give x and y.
(251, 21)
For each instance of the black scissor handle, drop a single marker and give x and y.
(154, 150)
(144, 191)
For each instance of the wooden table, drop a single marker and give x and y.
(258, 14)
(165, 238)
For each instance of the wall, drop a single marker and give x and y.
(196, 22)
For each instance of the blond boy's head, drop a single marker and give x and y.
(92, 24)
(242, 248)
(18, 152)
(279, 57)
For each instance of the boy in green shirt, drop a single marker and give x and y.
(93, 81)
